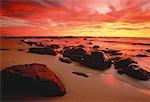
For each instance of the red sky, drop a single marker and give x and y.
(75, 18)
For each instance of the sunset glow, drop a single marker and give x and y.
(123, 18)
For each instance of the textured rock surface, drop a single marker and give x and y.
(34, 79)
(48, 51)
(130, 68)
(95, 59)
(65, 59)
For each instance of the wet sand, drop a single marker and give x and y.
(100, 86)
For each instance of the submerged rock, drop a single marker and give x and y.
(48, 51)
(5, 49)
(20, 49)
(80, 74)
(33, 79)
(148, 50)
(65, 59)
(130, 68)
(141, 55)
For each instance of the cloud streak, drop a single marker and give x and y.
(6, 22)
(62, 15)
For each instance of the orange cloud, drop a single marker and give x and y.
(53, 16)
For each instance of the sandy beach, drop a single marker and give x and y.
(100, 86)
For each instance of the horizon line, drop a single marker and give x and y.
(68, 37)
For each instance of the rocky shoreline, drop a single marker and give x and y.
(95, 58)
(45, 82)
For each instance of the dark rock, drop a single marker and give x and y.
(97, 60)
(90, 43)
(96, 47)
(73, 53)
(31, 79)
(78, 58)
(48, 51)
(115, 59)
(123, 63)
(20, 49)
(81, 46)
(120, 71)
(66, 60)
(129, 67)
(141, 55)
(54, 46)
(85, 39)
(39, 44)
(4, 49)
(80, 74)
(137, 72)
(30, 43)
(65, 47)
(148, 50)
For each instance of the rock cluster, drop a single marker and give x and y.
(130, 68)
(95, 59)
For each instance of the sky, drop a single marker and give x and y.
(117, 18)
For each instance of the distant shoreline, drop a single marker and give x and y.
(69, 37)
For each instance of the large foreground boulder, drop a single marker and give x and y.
(43, 50)
(130, 68)
(33, 79)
